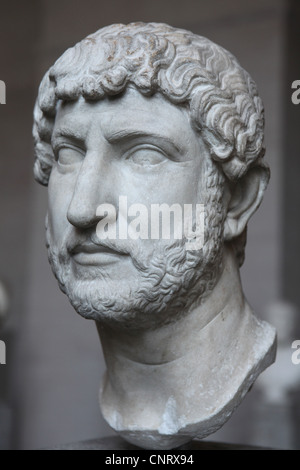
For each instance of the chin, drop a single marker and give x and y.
(143, 300)
(144, 295)
(114, 304)
(103, 300)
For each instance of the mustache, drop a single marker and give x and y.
(75, 242)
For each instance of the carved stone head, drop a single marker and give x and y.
(150, 140)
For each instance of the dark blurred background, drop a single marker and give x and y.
(49, 386)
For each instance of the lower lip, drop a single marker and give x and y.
(96, 259)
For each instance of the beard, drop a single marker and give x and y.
(161, 284)
(167, 283)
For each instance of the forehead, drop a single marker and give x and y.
(131, 111)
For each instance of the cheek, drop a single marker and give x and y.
(174, 183)
(181, 185)
(59, 197)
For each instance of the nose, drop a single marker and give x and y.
(89, 192)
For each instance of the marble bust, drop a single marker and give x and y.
(150, 115)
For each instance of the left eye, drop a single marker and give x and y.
(146, 157)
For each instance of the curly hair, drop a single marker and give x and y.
(187, 69)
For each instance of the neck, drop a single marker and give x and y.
(162, 381)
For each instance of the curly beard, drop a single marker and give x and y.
(167, 280)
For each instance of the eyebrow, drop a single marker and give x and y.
(118, 137)
(68, 133)
(124, 134)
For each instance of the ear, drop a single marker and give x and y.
(246, 196)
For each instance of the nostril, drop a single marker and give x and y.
(82, 216)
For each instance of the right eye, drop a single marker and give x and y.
(69, 156)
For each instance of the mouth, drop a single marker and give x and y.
(90, 254)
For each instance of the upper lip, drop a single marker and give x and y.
(89, 247)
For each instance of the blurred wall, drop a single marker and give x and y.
(19, 26)
(57, 361)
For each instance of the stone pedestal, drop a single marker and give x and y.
(117, 443)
